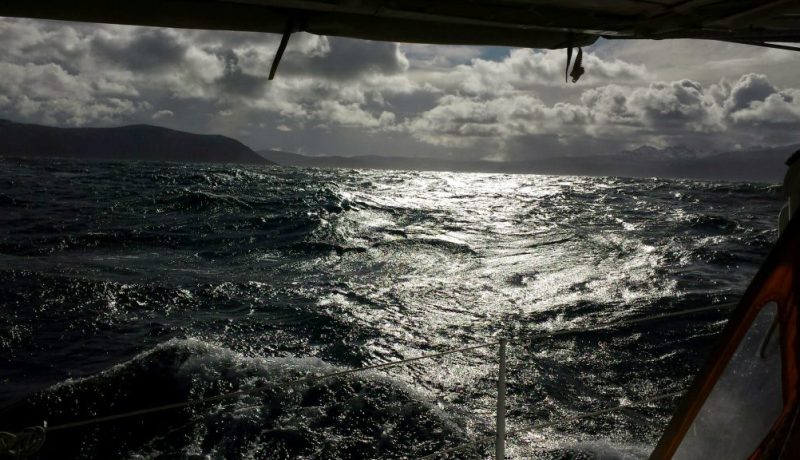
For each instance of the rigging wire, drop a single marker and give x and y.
(558, 421)
(776, 46)
(9, 438)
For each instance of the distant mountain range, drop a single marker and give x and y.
(135, 142)
(759, 165)
(145, 142)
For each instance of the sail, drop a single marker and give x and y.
(744, 402)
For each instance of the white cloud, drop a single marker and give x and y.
(440, 57)
(665, 106)
(351, 116)
(49, 93)
(444, 97)
(780, 107)
(678, 112)
(757, 107)
(528, 70)
(163, 114)
(459, 121)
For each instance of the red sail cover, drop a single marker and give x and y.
(744, 402)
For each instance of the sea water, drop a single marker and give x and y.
(126, 285)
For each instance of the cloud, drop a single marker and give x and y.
(144, 50)
(352, 116)
(750, 88)
(236, 80)
(617, 117)
(666, 107)
(50, 94)
(460, 121)
(757, 107)
(705, 61)
(476, 102)
(441, 57)
(528, 70)
(782, 107)
(344, 59)
(163, 114)
(100, 74)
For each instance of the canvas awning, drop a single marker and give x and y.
(524, 23)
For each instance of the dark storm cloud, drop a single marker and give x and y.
(662, 106)
(148, 50)
(236, 81)
(350, 59)
(750, 88)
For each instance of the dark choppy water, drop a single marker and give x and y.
(126, 285)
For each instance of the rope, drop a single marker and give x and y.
(628, 322)
(22, 444)
(258, 389)
(776, 46)
(316, 378)
(543, 425)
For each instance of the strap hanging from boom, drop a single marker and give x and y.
(282, 47)
(577, 68)
(569, 60)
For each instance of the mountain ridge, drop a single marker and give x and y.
(128, 142)
(759, 165)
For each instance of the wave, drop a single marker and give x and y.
(199, 200)
(111, 259)
(320, 246)
(713, 223)
(438, 244)
(357, 416)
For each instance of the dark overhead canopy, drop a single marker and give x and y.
(527, 23)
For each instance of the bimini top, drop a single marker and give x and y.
(525, 23)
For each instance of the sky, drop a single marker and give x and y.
(335, 96)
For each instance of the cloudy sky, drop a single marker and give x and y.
(350, 97)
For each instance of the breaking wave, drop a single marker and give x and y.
(127, 285)
(345, 417)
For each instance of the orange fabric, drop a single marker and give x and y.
(777, 280)
(773, 443)
(784, 430)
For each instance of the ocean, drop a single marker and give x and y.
(127, 285)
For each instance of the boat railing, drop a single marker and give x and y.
(26, 442)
